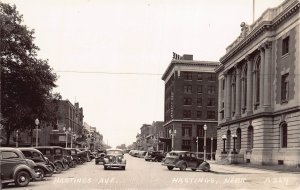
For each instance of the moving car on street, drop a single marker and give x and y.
(184, 160)
(15, 168)
(99, 157)
(154, 156)
(114, 159)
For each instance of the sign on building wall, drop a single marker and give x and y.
(62, 138)
(172, 104)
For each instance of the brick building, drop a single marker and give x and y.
(259, 85)
(191, 91)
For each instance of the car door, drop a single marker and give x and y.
(192, 163)
(9, 160)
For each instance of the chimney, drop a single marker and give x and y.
(187, 57)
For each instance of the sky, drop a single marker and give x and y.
(110, 54)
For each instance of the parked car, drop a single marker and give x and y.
(141, 154)
(114, 159)
(55, 155)
(184, 160)
(15, 168)
(154, 156)
(75, 155)
(43, 167)
(100, 158)
(68, 156)
(84, 156)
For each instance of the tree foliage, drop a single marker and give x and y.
(26, 81)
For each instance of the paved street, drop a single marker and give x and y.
(151, 175)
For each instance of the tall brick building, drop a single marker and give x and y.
(259, 85)
(191, 94)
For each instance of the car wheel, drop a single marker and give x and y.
(22, 179)
(58, 168)
(74, 163)
(183, 167)
(40, 173)
(206, 169)
(123, 167)
(170, 167)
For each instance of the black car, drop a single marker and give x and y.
(99, 158)
(114, 159)
(43, 167)
(154, 156)
(184, 160)
(15, 168)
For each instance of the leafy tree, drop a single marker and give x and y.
(26, 81)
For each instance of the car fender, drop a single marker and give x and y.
(24, 168)
(179, 163)
(59, 162)
(204, 165)
(43, 166)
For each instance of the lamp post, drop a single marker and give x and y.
(205, 128)
(234, 136)
(172, 133)
(17, 138)
(37, 122)
(66, 131)
(197, 138)
(224, 139)
(211, 147)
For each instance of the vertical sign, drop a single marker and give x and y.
(172, 104)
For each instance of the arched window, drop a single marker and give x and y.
(257, 78)
(228, 144)
(283, 135)
(233, 93)
(244, 88)
(250, 137)
(239, 139)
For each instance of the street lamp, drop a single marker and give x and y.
(224, 139)
(211, 147)
(17, 138)
(37, 122)
(66, 131)
(205, 128)
(197, 138)
(172, 133)
(234, 136)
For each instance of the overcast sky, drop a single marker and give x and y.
(128, 36)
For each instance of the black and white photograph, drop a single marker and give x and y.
(150, 94)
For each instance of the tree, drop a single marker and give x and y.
(26, 81)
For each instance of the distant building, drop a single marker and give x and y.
(191, 94)
(259, 85)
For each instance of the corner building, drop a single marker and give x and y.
(191, 91)
(259, 85)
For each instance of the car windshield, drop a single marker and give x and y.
(175, 154)
(114, 152)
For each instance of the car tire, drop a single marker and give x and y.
(206, 169)
(170, 167)
(123, 167)
(183, 167)
(41, 174)
(22, 179)
(58, 168)
(105, 168)
(74, 163)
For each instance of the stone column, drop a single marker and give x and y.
(227, 96)
(267, 74)
(249, 108)
(261, 77)
(238, 92)
(220, 96)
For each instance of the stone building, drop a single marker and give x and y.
(191, 91)
(259, 85)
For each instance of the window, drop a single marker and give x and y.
(283, 135)
(187, 114)
(199, 89)
(199, 76)
(199, 114)
(211, 114)
(223, 84)
(188, 89)
(199, 101)
(186, 131)
(257, 82)
(211, 102)
(186, 142)
(186, 146)
(285, 45)
(187, 75)
(239, 138)
(211, 89)
(211, 77)
(187, 101)
(284, 87)
(250, 137)
(27, 154)
(200, 131)
(9, 155)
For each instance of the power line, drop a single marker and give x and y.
(105, 72)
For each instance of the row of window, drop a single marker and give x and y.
(199, 114)
(189, 101)
(200, 76)
(188, 89)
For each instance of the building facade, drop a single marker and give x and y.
(259, 85)
(191, 91)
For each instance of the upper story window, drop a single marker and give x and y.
(257, 78)
(187, 101)
(187, 114)
(199, 114)
(284, 87)
(223, 84)
(211, 89)
(211, 77)
(186, 131)
(199, 101)
(200, 131)
(188, 89)
(199, 89)
(285, 45)
(211, 115)
(187, 76)
(199, 76)
(211, 102)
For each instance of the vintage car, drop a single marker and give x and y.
(43, 167)
(56, 156)
(15, 168)
(141, 154)
(184, 160)
(114, 159)
(68, 156)
(75, 155)
(154, 156)
(99, 157)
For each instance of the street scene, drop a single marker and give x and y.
(145, 94)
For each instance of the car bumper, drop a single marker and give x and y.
(168, 164)
(114, 165)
